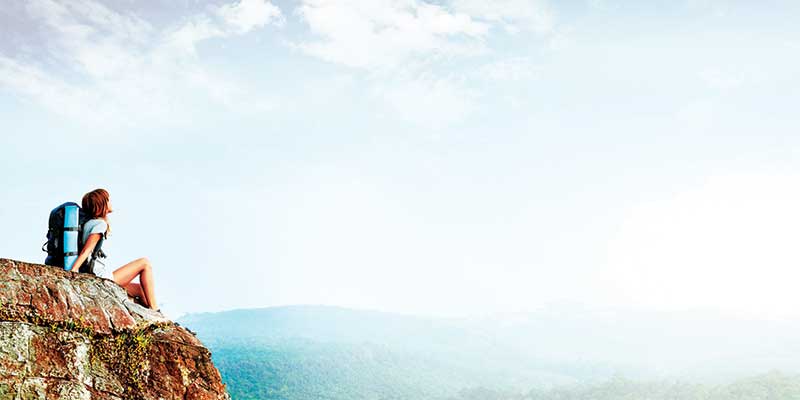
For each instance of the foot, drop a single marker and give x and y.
(187, 329)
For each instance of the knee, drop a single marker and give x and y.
(145, 262)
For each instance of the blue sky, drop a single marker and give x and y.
(455, 157)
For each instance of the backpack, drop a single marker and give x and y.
(57, 233)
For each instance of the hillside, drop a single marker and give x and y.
(310, 352)
(306, 352)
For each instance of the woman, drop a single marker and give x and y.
(97, 205)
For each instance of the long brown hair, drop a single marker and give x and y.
(95, 204)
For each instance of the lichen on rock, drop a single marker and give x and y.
(65, 335)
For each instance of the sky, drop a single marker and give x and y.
(447, 158)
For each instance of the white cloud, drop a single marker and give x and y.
(386, 33)
(513, 15)
(400, 44)
(225, 21)
(101, 66)
(53, 94)
(409, 47)
(250, 14)
(185, 38)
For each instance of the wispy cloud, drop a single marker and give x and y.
(513, 15)
(385, 33)
(102, 66)
(250, 14)
(408, 47)
(224, 21)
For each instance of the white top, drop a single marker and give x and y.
(100, 226)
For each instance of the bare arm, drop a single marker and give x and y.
(87, 250)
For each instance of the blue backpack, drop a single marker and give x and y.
(64, 238)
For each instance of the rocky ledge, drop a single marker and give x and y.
(65, 335)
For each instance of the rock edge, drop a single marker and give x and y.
(66, 335)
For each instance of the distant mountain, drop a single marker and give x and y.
(302, 352)
(322, 352)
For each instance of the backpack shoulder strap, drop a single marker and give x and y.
(98, 248)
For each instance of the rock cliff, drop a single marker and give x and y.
(65, 335)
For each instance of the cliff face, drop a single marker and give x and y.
(65, 335)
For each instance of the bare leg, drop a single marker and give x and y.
(144, 270)
(135, 290)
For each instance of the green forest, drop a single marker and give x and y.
(315, 371)
(295, 370)
(308, 352)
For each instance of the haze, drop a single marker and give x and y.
(443, 158)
